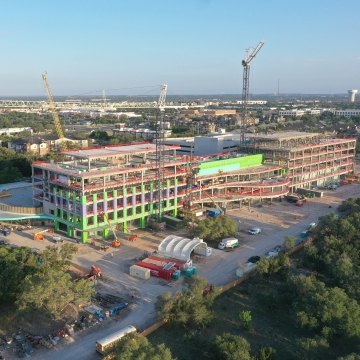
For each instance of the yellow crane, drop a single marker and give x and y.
(52, 107)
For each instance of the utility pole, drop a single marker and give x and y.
(249, 56)
(160, 149)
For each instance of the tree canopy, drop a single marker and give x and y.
(216, 229)
(41, 281)
(137, 347)
(191, 307)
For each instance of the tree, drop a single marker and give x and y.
(268, 267)
(232, 347)
(328, 311)
(191, 307)
(315, 347)
(289, 242)
(216, 229)
(15, 264)
(266, 353)
(351, 356)
(52, 291)
(137, 347)
(246, 319)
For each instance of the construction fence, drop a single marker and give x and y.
(21, 210)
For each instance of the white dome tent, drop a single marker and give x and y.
(181, 248)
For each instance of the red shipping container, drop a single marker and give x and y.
(157, 271)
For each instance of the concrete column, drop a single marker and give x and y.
(151, 207)
(105, 206)
(133, 200)
(95, 210)
(115, 197)
(84, 237)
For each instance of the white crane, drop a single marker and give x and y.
(249, 56)
(160, 149)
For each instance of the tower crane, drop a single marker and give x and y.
(56, 120)
(249, 56)
(160, 149)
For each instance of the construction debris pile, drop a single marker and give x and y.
(23, 344)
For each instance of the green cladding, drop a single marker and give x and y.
(233, 164)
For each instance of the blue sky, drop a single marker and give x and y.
(195, 46)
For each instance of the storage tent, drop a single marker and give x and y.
(181, 248)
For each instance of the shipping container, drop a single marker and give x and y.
(162, 261)
(139, 272)
(172, 222)
(157, 271)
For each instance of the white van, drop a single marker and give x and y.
(228, 243)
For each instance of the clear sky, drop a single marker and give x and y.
(195, 46)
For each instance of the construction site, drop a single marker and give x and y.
(105, 190)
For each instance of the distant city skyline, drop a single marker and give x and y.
(130, 47)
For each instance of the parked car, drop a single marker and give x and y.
(312, 225)
(271, 253)
(3, 242)
(253, 259)
(5, 232)
(254, 231)
(57, 239)
(277, 248)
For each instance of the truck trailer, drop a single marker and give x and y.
(228, 243)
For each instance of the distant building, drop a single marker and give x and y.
(253, 102)
(12, 131)
(218, 112)
(352, 94)
(215, 143)
(42, 146)
(293, 112)
(37, 146)
(348, 113)
(141, 133)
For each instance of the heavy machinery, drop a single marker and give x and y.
(56, 120)
(249, 56)
(95, 272)
(40, 234)
(133, 237)
(106, 218)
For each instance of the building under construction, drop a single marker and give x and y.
(93, 191)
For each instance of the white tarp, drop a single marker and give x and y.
(181, 248)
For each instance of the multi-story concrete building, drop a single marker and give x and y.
(94, 191)
(309, 159)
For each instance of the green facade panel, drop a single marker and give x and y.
(233, 164)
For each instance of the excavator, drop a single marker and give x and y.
(40, 235)
(95, 272)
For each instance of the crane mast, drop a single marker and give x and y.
(160, 149)
(52, 107)
(249, 56)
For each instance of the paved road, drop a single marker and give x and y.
(219, 270)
